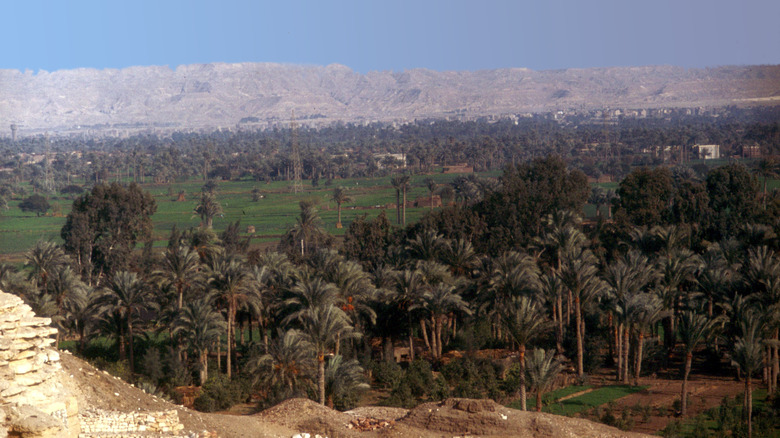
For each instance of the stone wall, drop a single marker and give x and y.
(97, 423)
(30, 395)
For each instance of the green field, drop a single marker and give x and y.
(271, 216)
(584, 402)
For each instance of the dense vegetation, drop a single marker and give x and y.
(677, 262)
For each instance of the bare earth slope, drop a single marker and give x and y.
(98, 390)
(224, 95)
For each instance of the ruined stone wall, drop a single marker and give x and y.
(30, 395)
(97, 423)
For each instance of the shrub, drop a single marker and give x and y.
(387, 374)
(220, 393)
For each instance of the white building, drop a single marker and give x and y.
(708, 151)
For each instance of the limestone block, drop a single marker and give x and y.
(20, 366)
(29, 421)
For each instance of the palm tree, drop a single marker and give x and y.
(64, 285)
(339, 197)
(767, 168)
(207, 208)
(409, 287)
(551, 290)
(579, 275)
(426, 245)
(650, 311)
(201, 326)
(286, 365)
(439, 303)
(403, 185)
(308, 228)
(322, 326)
(307, 293)
(343, 378)
(227, 277)
(81, 311)
(626, 277)
(431, 184)
(694, 329)
(397, 183)
(461, 257)
(44, 258)
(543, 368)
(126, 297)
(674, 270)
(748, 355)
(523, 321)
(181, 268)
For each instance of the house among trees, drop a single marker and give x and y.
(708, 151)
(752, 151)
(428, 201)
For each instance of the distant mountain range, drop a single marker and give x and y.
(204, 97)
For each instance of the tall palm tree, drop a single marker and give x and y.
(308, 228)
(64, 285)
(767, 168)
(431, 185)
(321, 326)
(181, 268)
(403, 183)
(126, 297)
(81, 311)
(551, 290)
(694, 329)
(748, 355)
(650, 311)
(674, 270)
(409, 287)
(201, 326)
(439, 303)
(543, 368)
(227, 277)
(207, 208)
(397, 183)
(307, 293)
(523, 320)
(579, 275)
(286, 365)
(340, 197)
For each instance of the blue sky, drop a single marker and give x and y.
(368, 35)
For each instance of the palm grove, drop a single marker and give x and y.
(689, 266)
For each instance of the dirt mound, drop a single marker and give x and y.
(486, 417)
(307, 416)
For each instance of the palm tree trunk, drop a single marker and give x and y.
(204, 367)
(438, 337)
(749, 405)
(559, 336)
(578, 323)
(229, 362)
(521, 350)
(321, 376)
(626, 345)
(684, 393)
(538, 400)
(425, 336)
(338, 207)
(404, 207)
(130, 335)
(639, 348)
(619, 343)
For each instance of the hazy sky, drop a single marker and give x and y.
(390, 34)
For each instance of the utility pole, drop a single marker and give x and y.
(296, 155)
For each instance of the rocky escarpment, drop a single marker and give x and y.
(258, 95)
(33, 402)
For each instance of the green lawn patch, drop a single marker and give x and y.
(597, 397)
(551, 396)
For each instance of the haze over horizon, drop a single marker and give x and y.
(390, 36)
